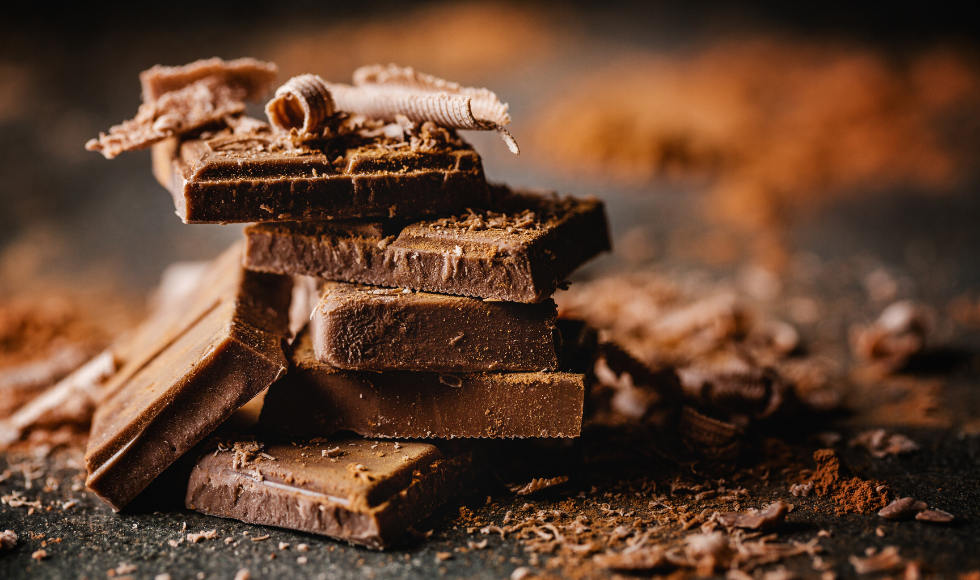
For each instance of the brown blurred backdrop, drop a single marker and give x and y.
(746, 137)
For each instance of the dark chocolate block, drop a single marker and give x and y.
(359, 327)
(316, 399)
(229, 177)
(187, 373)
(364, 492)
(520, 251)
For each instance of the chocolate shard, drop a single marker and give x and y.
(316, 399)
(186, 371)
(519, 251)
(358, 327)
(246, 174)
(180, 100)
(363, 492)
(253, 78)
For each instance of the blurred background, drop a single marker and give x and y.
(820, 159)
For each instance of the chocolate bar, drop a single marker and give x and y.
(520, 251)
(359, 327)
(187, 370)
(243, 175)
(364, 492)
(316, 399)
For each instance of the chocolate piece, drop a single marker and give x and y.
(316, 399)
(186, 371)
(180, 100)
(364, 492)
(520, 251)
(247, 175)
(379, 329)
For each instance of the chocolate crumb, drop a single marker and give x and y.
(243, 574)
(39, 555)
(441, 556)
(754, 519)
(203, 535)
(903, 508)
(8, 539)
(934, 516)
(887, 559)
(537, 484)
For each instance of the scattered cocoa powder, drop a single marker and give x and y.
(851, 493)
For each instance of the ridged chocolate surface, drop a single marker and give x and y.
(231, 178)
(518, 251)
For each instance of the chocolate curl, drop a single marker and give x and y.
(382, 93)
(179, 100)
(304, 103)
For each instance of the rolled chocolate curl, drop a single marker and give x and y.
(304, 103)
(383, 92)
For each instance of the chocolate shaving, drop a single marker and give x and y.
(934, 516)
(71, 400)
(303, 103)
(176, 107)
(646, 558)
(253, 77)
(903, 508)
(8, 539)
(887, 559)
(899, 333)
(537, 484)
(881, 444)
(754, 519)
(385, 92)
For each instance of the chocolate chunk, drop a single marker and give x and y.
(519, 251)
(187, 370)
(247, 175)
(364, 492)
(359, 327)
(316, 399)
(902, 508)
(180, 100)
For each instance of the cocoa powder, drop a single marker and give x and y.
(851, 493)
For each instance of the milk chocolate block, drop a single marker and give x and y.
(242, 175)
(187, 372)
(316, 399)
(364, 492)
(360, 327)
(520, 250)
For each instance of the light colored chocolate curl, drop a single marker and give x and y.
(303, 103)
(383, 92)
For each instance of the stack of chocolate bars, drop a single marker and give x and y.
(427, 294)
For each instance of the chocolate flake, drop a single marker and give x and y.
(754, 519)
(934, 516)
(903, 508)
(8, 539)
(887, 559)
(537, 484)
(881, 444)
(180, 100)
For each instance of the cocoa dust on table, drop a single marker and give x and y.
(852, 494)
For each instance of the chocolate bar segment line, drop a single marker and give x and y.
(316, 400)
(364, 492)
(359, 327)
(470, 256)
(194, 377)
(230, 178)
